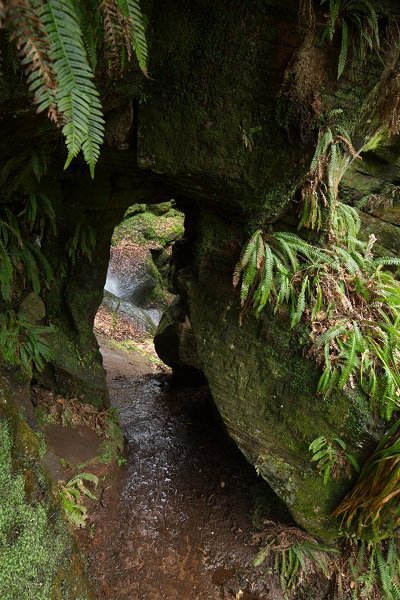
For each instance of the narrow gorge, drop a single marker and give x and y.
(199, 330)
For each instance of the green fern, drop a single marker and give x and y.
(82, 242)
(59, 42)
(285, 271)
(319, 204)
(6, 272)
(331, 458)
(23, 344)
(132, 12)
(358, 21)
(77, 97)
(297, 557)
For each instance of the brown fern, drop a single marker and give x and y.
(349, 146)
(2, 14)
(30, 38)
(115, 35)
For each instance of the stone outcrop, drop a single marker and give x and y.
(39, 554)
(222, 128)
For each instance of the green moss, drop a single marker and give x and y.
(161, 226)
(264, 386)
(131, 346)
(33, 539)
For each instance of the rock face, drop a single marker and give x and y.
(39, 557)
(223, 128)
(261, 383)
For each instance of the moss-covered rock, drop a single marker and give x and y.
(32, 308)
(217, 128)
(262, 385)
(39, 560)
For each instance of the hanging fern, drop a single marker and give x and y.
(358, 22)
(28, 32)
(373, 502)
(350, 304)
(134, 17)
(77, 97)
(332, 157)
(58, 43)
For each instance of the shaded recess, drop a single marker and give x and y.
(215, 130)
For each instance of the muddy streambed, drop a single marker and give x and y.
(177, 523)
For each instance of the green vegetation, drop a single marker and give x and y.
(358, 22)
(58, 42)
(372, 505)
(297, 557)
(335, 285)
(160, 224)
(351, 306)
(18, 248)
(359, 570)
(32, 537)
(72, 493)
(373, 572)
(23, 266)
(112, 448)
(334, 153)
(23, 344)
(82, 243)
(331, 458)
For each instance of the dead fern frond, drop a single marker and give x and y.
(28, 33)
(2, 14)
(297, 557)
(373, 502)
(113, 35)
(123, 33)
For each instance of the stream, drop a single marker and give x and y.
(176, 522)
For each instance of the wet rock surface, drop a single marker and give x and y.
(177, 524)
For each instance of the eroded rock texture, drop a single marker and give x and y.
(223, 127)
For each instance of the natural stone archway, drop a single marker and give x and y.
(215, 129)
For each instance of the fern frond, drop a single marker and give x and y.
(325, 140)
(387, 261)
(113, 34)
(343, 49)
(28, 32)
(90, 20)
(301, 303)
(132, 12)
(41, 261)
(77, 97)
(351, 357)
(31, 268)
(6, 272)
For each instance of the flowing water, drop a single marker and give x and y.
(176, 523)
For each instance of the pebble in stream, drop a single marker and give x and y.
(177, 524)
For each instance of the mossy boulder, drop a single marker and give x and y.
(32, 308)
(39, 559)
(261, 382)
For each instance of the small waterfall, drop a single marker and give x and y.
(118, 297)
(112, 285)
